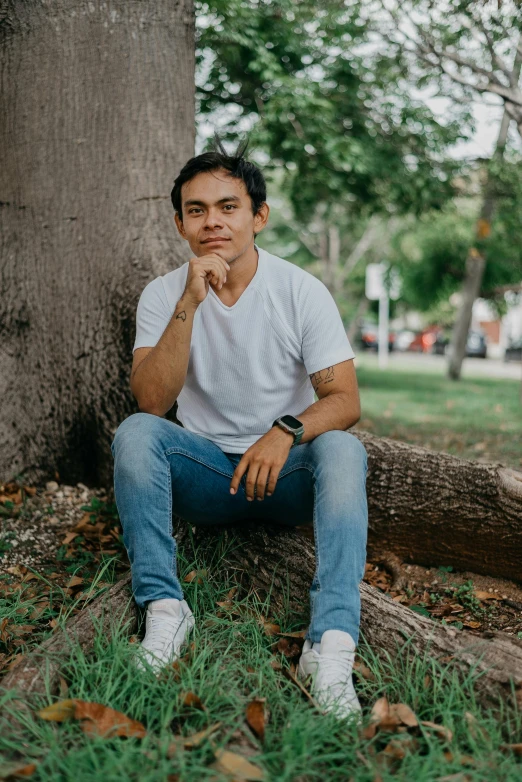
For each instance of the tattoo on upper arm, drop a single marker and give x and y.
(323, 376)
(182, 315)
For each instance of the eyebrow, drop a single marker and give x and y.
(192, 202)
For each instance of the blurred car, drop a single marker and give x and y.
(403, 339)
(476, 344)
(513, 351)
(369, 337)
(435, 339)
(424, 341)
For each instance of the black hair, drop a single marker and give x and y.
(237, 166)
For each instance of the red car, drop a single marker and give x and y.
(424, 341)
(369, 337)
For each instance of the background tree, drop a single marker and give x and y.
(97, 118)
(431, 250)
(463, 49)
(339, 127)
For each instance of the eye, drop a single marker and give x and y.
(231, 205)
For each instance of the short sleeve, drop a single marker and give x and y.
(324, 339)
(152, 315)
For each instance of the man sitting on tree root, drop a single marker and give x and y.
(241, 339)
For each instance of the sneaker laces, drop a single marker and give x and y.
(161, 629)
(338, 666)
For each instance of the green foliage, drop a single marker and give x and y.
(344, 126)
(431, 252)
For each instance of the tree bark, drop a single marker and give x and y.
(334, 253)
(476, 260)
(97, 119)
(435, 509)
(362, 308)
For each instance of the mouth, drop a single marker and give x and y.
(217, 240)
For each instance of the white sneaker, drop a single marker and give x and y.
(331, 671)
(167, 623)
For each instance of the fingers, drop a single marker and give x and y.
(251, 481)
(261, 479)
(214, 268)
(238, 474)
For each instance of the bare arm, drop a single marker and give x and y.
(338, 406)
(158, 373)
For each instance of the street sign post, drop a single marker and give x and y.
(376, 290)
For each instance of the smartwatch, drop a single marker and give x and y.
(292, 425)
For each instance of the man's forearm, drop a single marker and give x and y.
(335, 411)
(159, 378)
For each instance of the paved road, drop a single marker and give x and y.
(425, 362)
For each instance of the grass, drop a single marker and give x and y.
(232, 662)
(474, 418)
(232, 658)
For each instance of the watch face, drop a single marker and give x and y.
(291, 421)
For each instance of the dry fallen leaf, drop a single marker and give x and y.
(58, 711)
(64, 687)
(297, 634)
(257, 717)
(515, 748)
(269, 627)
(97, 719)
(289, 649)
(363, 671)
(20, 629)
(389, 717)
(443, 733)
(17, 769)
(240, 769)
(480, 595)
(69, 537)
(397, 749)
(198, 575)
(75, 581)
(192, 741)
(192, 700)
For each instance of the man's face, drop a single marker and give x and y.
(216, 206)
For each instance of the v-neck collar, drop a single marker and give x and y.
(252, 284)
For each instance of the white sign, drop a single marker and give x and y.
(382, 286)
(375, 282)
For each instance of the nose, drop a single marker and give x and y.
(214, 219)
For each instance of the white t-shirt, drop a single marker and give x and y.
(249, 363)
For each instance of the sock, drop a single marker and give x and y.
(316, 646)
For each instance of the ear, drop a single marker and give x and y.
(261, 218)
(179, 225)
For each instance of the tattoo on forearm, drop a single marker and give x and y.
(324, 376)
(182, 315)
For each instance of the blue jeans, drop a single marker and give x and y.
(161, 469)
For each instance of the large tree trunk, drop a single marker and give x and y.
(435, 509)
(97, 119)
